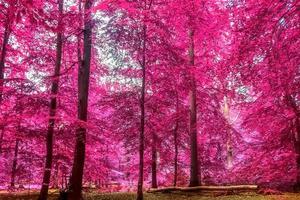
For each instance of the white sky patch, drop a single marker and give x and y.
(114, 59)
(259, 58)
(217, 58)
(37, 78)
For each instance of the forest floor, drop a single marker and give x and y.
(160, 196)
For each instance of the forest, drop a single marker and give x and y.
(150, 99)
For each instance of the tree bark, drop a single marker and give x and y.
(176, 144)
(14, 165)
(6, 35)
(297, 149)
(194, 179)
(154, 162)
(226, 189)
(56, 176)
(3, 53)
(1, 138)
(79, 45)
(229, 133)
(7, 31)
(296, 131)
(75, 186)
(53, 105)
(142, 128)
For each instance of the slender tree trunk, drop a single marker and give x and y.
(297, 150)
(1, 138)
(75, 189)
(229, 135)
(142, 129)
(296, 129)
(154, 162)
(53, 105)
(56, 176)
(2, 65)
(194, 176)
(63, 180)
(79, 45)
(3, 55)
(176, 144)
(14, 165)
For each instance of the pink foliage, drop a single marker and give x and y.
(245, 51)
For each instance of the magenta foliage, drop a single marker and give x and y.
(247, 59)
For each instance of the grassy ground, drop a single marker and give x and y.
(191, 196)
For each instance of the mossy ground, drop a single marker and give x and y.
(160, 196)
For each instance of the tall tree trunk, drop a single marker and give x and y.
(154, 162)
(14, 165)
(229, 135)
(194, 176)
(296, 130)
(3, 54)
(2, 65)
(7, 31)
(53, 105)
(79, 45)
(75, 187)
(176, 144)
(142, 128)
(297, 150)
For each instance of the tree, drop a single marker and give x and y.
(53, 107)
(9, 17)
(176, 93)
(194, 174)
(75, 188)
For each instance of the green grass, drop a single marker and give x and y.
(159, 196)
